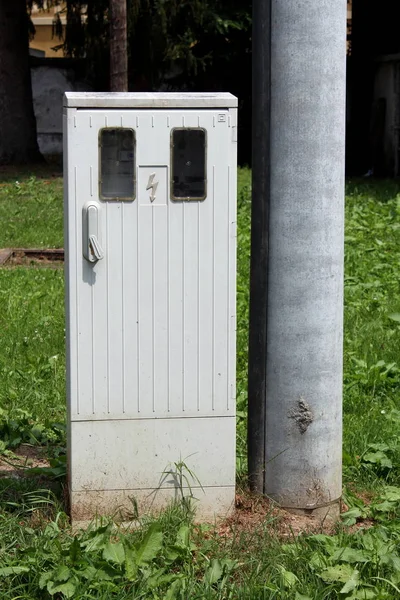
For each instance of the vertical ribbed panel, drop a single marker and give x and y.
(154, 321)
(146, 332)
(232, 178)
(176, 307)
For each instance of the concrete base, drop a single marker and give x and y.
(124, 468)
(323, 514)
(126, 505)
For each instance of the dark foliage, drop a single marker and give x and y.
(197, 45)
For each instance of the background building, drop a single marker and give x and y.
(45, 40)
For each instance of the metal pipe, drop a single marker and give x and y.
(259, 243)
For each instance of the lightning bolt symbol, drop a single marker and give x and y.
(152, 185)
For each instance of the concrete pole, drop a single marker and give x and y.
(303, 416)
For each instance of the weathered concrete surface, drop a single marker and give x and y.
(305, 302)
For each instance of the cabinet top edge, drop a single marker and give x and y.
(149, 100)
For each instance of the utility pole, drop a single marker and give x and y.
(118, 47)
(296, 310)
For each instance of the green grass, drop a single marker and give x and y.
(371, 349)
(32, 348)
(169, 557)
(31, 212)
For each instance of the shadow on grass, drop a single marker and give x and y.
(33, 501)
(48, 170)
(381, 190)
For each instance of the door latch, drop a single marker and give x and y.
(92, 249)
(95, 247)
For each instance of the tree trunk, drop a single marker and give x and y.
(361, 84)
(18, 141)
(118, 47)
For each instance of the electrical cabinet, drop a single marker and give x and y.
(150, 236)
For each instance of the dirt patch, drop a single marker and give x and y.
(255, 512)
(18, 463)
(11, 257)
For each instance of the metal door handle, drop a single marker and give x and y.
(92, 249)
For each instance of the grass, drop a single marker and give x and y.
(371, 353)
(32, 357)
(170, 557)
(31, 211)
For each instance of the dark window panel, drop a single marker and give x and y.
(188, 164)
(117, 164)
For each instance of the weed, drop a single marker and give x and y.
(183, 480)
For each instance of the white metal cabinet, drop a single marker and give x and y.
(151, 308)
